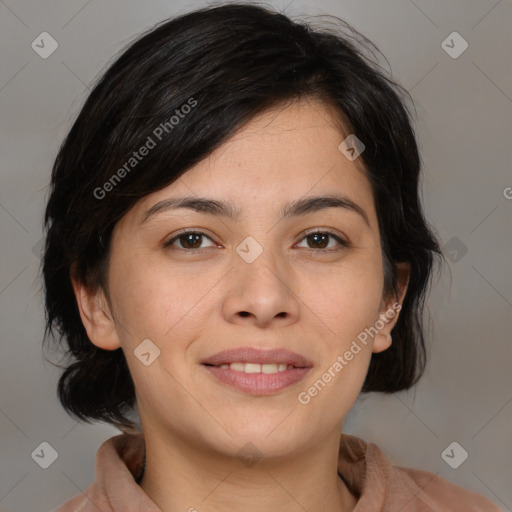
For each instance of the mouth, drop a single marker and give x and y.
(257, 372)
(257, 357)
(267, 368)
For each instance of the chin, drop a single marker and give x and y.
(255, 447)
(269, 436)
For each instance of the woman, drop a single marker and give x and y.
(235, 249)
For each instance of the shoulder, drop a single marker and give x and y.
(72, 505)
(114, 487)
(417, 490)
(440, 494)
(386, 487)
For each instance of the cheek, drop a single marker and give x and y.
(348, 301)
(333, 390)
(164, 305)
(346, 298)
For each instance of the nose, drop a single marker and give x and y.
(261, 293)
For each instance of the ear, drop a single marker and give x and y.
(389, 312)
(96, 316)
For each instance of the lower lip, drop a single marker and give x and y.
(258, 383)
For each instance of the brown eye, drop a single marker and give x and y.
(188, 240)
(320, 240)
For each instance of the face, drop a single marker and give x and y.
(297, 290)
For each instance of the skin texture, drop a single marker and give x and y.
(191, 305)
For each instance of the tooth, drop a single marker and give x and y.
(258, 368)
(252, 368)
(269, 368)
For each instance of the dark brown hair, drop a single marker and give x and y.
(234, 61)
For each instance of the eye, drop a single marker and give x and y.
(189, 240)
(319, 239)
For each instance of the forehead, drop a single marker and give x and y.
(280, 155)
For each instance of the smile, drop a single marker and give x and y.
(256, 379)
(257, 368)
(255, 371)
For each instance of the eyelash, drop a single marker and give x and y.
(340, 240)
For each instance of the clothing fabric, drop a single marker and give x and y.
(379, 485)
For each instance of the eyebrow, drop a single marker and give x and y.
(218, 208)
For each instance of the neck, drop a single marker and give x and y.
(182, 477)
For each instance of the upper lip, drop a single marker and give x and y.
(259, 356)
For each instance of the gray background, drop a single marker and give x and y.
(464, 123)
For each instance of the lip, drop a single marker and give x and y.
(253, 355)
(258, 383)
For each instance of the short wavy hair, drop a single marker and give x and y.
(235, 60)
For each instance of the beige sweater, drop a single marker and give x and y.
(379, 485)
